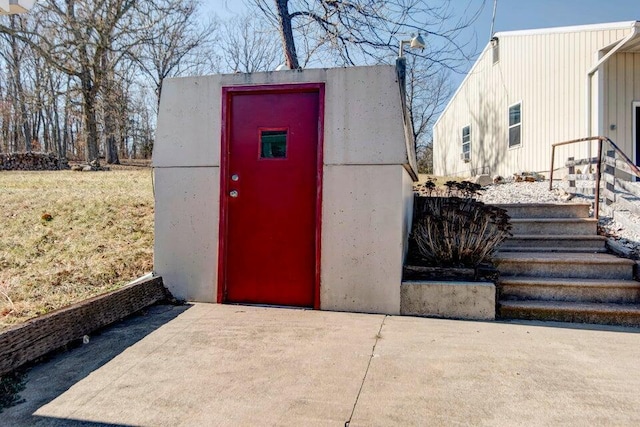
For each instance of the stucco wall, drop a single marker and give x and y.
(366, 185)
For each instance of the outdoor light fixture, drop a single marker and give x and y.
(415, 43)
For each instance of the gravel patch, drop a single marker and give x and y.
(529, 192)
(538, 192)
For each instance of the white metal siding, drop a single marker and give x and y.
(622, 85)
(547, 73)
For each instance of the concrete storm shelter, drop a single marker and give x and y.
(284, 188)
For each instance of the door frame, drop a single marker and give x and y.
(634, 133)
(227, 93)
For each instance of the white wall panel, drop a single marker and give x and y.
(363, 238)
(622, 83)
(186, 231)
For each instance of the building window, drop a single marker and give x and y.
(495, 48)
(515, 124)
(466, 143)
(273, 144)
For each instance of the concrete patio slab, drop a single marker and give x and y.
(440, 372)
(209, 365)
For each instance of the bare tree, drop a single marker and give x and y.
(175, 39)
(357, 31)
(71, 59)
(20, 103)
(110, 105)
(246, 45)
(428, 90)
(35, 90)
(350, 32)
(73, 36)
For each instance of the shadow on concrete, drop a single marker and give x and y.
(50, 422)
(577, 326)
(547, 324)
(50, 378)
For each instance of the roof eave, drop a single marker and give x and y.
(569, 29)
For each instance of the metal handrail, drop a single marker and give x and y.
(634, 168)
(601, 139)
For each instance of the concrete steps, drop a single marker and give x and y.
(570, 289)
(555, 268)
(555, 243)
(564, 265)
(553, 249)
(556, 226)
(577, 312)
(547, 210)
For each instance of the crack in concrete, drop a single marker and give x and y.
(364, 378)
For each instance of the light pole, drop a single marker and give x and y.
(416, 42)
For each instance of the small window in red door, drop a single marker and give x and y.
(273, 144)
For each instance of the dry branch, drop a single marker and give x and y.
(457, 232)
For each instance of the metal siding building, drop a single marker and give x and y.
(547, 72)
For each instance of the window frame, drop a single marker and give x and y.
(465, 143)
(495, 50)
(510, 126)
(261, 130)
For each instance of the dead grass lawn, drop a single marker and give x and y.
(66, 236)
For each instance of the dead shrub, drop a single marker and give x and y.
(457, 231)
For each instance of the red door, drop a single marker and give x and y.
(270, 196)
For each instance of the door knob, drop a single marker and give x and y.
(233, 193)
